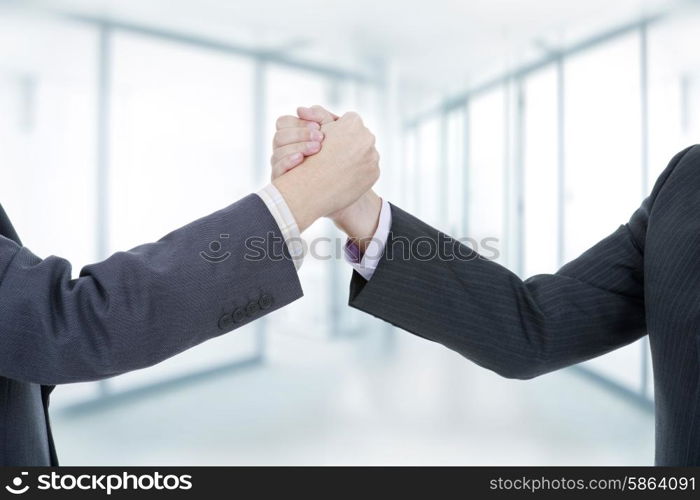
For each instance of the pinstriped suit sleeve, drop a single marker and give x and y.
(519, 329)
(140, 307)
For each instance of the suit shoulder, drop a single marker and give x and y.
(684, 163)
(678, 187)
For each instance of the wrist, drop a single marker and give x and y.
(359, 220)
(301, 202)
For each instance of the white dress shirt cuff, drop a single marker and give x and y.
(279, 209)
(366, 265)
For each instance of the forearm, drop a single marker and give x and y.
(478, 308)
(140, 307)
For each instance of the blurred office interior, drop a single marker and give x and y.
(540, 123)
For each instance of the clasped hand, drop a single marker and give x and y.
(325, 166)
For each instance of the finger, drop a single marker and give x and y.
(305, 148)
(327, 115)
(286, 136)
(351, 116)
(286, 164)
(289, 121)
(317, 114)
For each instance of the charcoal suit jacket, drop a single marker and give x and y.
(130, 311)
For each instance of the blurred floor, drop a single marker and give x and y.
(377, 399)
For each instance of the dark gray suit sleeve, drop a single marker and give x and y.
(519, 329)
(140, 307)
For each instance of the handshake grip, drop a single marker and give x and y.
(334, 178)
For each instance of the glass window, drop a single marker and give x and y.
(602, 130)
(47, 131)
(674, 89)
(430, 175)
(181, 129)
(456, 165)
(540, 174)
(486, 198)
(409, 175)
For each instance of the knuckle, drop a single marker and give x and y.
(374, 174)
(280, 122)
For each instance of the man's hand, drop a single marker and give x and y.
(330, 180)
(296, 138)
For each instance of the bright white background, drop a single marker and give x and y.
(520, 121)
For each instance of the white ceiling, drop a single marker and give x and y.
(437, 45)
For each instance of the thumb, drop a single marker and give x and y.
(316, 114)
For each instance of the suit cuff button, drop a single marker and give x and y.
(265, 301)
(238, 315)
(252, 308)
(225, 322)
